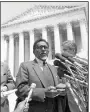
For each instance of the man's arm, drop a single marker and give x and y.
(22, 81)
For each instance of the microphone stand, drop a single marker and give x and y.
(77, 84)
(74, 96)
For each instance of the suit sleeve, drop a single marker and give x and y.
(22, 84)
(10, 82)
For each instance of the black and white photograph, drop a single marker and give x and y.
(44, 56)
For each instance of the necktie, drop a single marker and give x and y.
(48, 75)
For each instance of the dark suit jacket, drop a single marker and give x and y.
(6, 80)
(30, 72)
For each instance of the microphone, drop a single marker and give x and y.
(28, 98)
(33, 85)
(68, 57)
(59, 56)
(78, 59)
(71, 59)
(62, 66)
(72, 92)
(81, 82)
(24, 105)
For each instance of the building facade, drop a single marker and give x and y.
(55, 24)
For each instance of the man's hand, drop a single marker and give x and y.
(3, 88)
(50, 88)
(61, 86)
(51, 92)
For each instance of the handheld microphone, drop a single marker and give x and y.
(28, 98)
(33, 85)
(24, 105)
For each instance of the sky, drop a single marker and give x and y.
(12, 9)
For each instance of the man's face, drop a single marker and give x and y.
(70, 52)
(41, 51)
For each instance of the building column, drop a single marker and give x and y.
(6, 48)
(21, 48)
(84, 35)
(69, 31)
(44, 33)
(2, 49)
(57, 39)
(31, 36)
(11, 54)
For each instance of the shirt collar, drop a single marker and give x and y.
(40, 62)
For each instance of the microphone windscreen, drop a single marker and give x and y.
(58, 56)
(33, 85)
(68, 57)
(71, 59)
(60, 64)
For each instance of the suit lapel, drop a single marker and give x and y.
(54, 74)
(39, 73)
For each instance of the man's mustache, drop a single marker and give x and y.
(44, 53)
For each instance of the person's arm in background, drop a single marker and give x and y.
(10, 83)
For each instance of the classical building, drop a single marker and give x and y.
(53, 23)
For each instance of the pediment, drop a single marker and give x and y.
(37, 12)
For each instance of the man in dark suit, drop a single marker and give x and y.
(46, 79)
(7, 83)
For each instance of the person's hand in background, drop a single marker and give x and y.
(3, 88)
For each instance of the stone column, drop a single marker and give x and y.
(2, 48)
(57, 39)
(44, 33)
(11, 54)
(21, 48)
(6, 43)
(84, 35)
(31, 36)
(69, 31)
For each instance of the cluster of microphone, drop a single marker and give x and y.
(63, 61)
(66, 59)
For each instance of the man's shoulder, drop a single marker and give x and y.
(27, 63)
